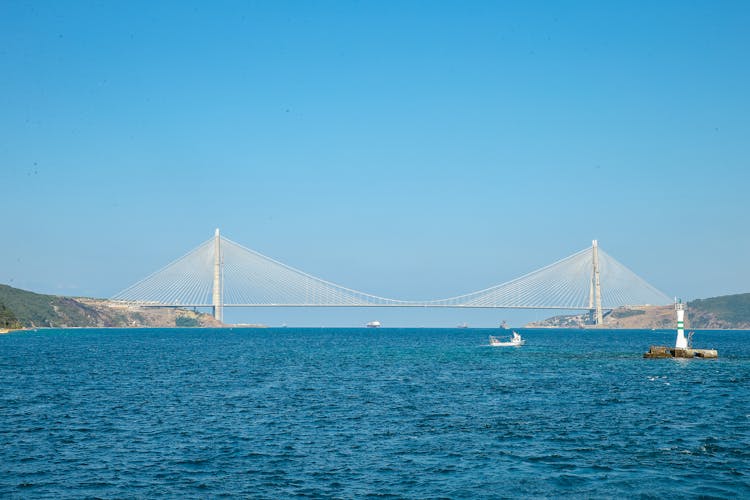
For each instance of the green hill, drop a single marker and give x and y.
(36, 310)
(19, 309)
(728, 311)
(8, 320)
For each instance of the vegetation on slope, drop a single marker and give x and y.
(186, 321)
(8, 320)
(35, 310)
(728, 311)
(28, 309)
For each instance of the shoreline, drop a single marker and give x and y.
(266, 327)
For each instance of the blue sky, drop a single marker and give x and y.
(406, 149)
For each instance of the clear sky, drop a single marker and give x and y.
(407, 149)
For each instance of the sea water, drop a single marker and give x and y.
(418, 413)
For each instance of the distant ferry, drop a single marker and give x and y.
(373, 324)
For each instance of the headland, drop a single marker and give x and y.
(21, 309)
(728, 312)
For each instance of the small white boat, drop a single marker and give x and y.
(373, 324)
(514, 341)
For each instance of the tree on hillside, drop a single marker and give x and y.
(7, 318)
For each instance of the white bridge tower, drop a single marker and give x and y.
(595, 291)
(218, 305)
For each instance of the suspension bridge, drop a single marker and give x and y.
(220, 273)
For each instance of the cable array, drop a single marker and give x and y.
(252, 279)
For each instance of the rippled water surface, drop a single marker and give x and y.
(353, 413)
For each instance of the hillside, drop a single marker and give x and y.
(8, 320)
(727, 312)
(20, 308)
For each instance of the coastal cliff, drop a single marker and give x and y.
(24, 309)
(725, 312)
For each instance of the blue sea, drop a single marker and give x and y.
(387, 413)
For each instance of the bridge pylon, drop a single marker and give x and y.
(217, 302)
(595, 290)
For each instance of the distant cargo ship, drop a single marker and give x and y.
(373, 324)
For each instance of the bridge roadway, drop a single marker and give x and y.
(454, 306)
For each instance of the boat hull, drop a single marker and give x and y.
(517, 342)
(507, 344)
